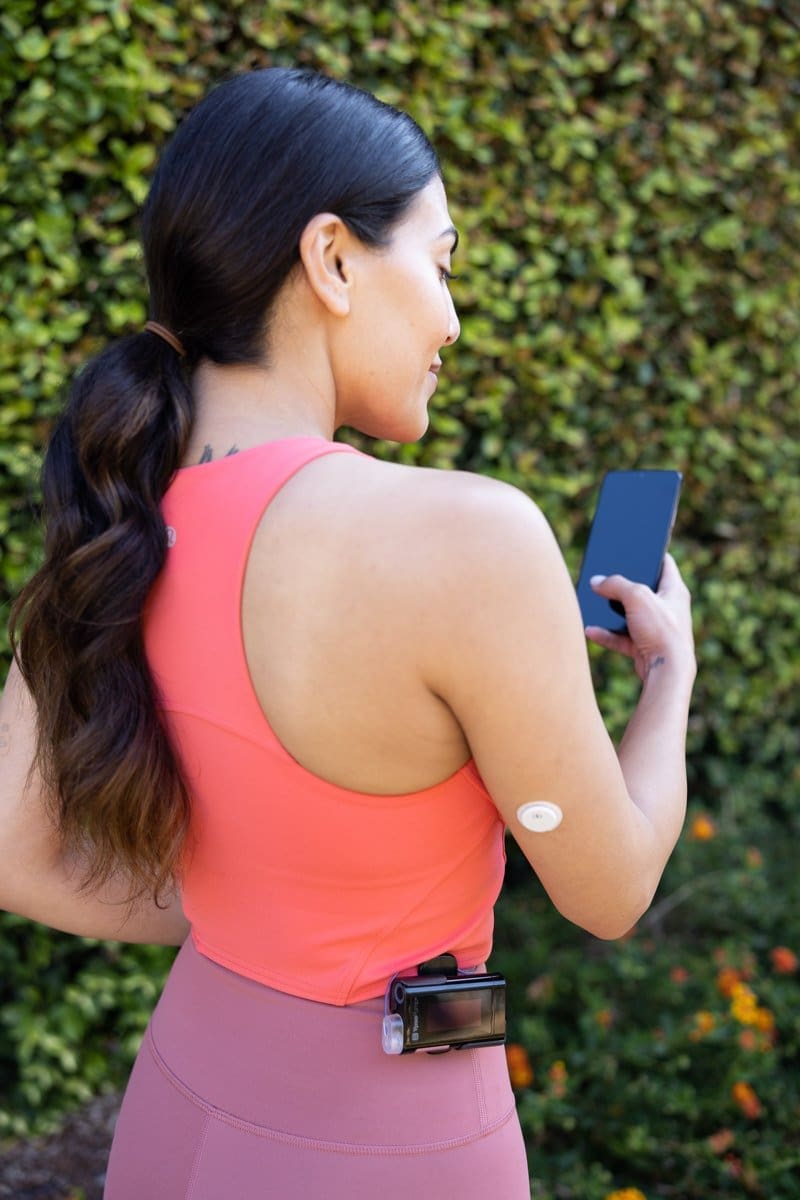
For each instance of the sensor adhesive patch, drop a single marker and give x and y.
(540, 817)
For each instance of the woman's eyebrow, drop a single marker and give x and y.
(452, 232)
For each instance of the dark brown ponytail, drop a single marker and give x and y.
(118, 797)
(238, 183)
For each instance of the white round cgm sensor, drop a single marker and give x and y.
(540, 817)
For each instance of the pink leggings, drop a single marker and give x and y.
(241, 1092)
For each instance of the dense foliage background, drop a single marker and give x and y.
(626, 178)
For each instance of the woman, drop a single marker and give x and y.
(311, 688)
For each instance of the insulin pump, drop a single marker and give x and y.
(440, 1009)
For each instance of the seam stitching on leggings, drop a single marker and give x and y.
(195, 1172)
(477, 1076)
(293, 1139)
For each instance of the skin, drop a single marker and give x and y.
(38, 880)
(398, 620)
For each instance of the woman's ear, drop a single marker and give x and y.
(324, 252)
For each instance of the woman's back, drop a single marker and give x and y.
(320, 888)
(334, 619)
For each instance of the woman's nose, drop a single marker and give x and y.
(454, 325)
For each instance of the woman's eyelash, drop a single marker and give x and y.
(448, 275)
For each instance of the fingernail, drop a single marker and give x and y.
(595, 579)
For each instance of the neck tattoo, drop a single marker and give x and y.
(208, 454)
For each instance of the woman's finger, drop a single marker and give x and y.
(670, 575)
(609, 640)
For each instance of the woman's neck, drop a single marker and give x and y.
(237, 407)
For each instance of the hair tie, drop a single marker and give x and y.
(167, 336)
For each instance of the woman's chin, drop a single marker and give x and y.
(410, 428)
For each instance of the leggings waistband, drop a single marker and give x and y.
(292, 1068)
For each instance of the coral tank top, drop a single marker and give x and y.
(308, 887)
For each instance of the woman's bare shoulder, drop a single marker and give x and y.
(451, 502)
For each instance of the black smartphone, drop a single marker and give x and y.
(629, 536)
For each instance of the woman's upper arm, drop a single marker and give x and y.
(506, 651)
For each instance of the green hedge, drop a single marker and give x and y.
(626, 177)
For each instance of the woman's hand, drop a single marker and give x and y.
(659, 623)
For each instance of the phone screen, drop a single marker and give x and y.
(629, 536)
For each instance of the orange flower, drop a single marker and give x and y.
(764, 1020)
(784, 960)
(558, 1079)
(743, 1003)
(604, 1018)
(704, 1022)
(750, 1039)
(519, 1066)
(626, 1194)
(702, 828)
(746, 1099)
(679, 975)
(747, 1011)
(753, 858)
(721, 1141)
(727, 979)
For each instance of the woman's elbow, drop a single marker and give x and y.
(616, 918)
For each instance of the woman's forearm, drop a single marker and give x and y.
(53, 897)
(652, 753)
(37, 880)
